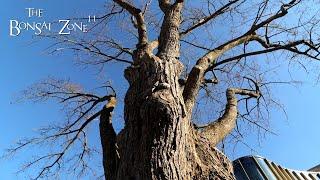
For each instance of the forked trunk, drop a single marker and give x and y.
(158, 141)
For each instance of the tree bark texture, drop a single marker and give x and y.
(159, 141)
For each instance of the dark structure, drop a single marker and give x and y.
(259, 168)
(315, 169)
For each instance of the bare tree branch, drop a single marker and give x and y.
(197, 73)
(138, 14)
(212, 16)
(109, 141)
(220, 128)
(204, 63)
(290, 46)
(70, 137)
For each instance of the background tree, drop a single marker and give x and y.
(178, 65)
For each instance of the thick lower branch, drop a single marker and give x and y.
(208, 60)
(108, 141)
(220, 128)
(197, 73)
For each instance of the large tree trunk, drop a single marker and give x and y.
(159, 141)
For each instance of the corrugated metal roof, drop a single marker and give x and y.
(253, 165)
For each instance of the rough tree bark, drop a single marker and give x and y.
(159, 140)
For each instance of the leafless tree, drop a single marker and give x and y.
(181, 58)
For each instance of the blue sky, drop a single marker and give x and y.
(22, 63)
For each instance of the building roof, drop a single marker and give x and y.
(259, 168)
(315, 169)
